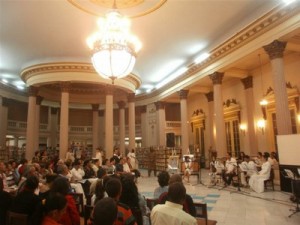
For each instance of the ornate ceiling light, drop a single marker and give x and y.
(114, 49)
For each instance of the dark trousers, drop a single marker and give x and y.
(227, 177)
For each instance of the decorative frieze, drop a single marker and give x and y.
(65, 86)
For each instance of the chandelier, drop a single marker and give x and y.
(114, 49)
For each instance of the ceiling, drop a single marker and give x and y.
(173, 36)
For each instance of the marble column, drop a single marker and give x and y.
(95, 108)
(121, 105)
(283, 117)
(53, 127)
(210, 119)
(144, 126)
(30, 134)
(219, 114)
(184, 121)
(109, 135)
(39, 100)
(3, 121)
(64, 120)
(131, 120)
(249, 109)
(161, 123)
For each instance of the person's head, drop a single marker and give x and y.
(61, 185)
(228, 155)
(175, 178)
(113, 188)
(112, 161)
(105, 162)
(96, 162)
(87, 163)
(99, 189)
(129, 194)
(101, 173)
(266, 155)
(247, 158)
(187, 158)
(176, 193)
(77, 164)
(259, 154)
(105, 212)
(163, 178)
(132, 150)
(31, 183)
(55, 206)
(2, 167)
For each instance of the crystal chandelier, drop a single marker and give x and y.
(114, 49)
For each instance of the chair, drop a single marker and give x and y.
(201, 211)
(151, 203)
(78, 197)
(270, 181)
(195, 169)
(16, 218)
(87, 213)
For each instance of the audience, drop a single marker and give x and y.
(6, 200)
(105, 212)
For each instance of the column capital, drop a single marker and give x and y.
(121, 104)
(210, 96)
(216, 77)
(131, 97)
(275, 49)
(109, 89)
(143, 109)
(247, 82)
(39, 100)
(160, 105)
(32, 91)
(54, 111)
(183, 94)
(95, 107)
(101, 113)
(65, 86)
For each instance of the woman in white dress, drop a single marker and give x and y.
(256, 181)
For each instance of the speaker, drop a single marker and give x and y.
(170, 140)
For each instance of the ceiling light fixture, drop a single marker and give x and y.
(114, 49)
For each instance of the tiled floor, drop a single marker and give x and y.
(232, 207)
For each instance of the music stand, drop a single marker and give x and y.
(294, 184)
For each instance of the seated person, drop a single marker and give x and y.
(230, 167)
(6, 200)
(163, 181)
(88, 170)
(77, 171)
(105, 212)
(188, 204)
(247, 168)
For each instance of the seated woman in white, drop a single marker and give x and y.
(188, 168)
(256, 181)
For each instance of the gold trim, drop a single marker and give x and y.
(154, 8)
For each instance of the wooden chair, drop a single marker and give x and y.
(16, 218)
(195, 169)
(87, 213)
(201, 211)
(78, 197)
(270, 181)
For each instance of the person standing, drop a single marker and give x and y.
(99, 156)
(132, 159)
(151, 162)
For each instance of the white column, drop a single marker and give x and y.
(121, 105)
(283, 117)
(39, 100)
(161, 123)
(95, 108)
(249, 108)
(184, 121)
(29, 153)
(210, 119)
(3, 121)
(131, 121)
(64, 120)
(219, 114)
(144, 126)
(109, 121)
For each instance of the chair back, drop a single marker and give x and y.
(78, 197)
(87, 213)
(201, 211)
(16, 218)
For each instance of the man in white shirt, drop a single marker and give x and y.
(230, 167)
(171, 212)
(77, 171)
(248, 168)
